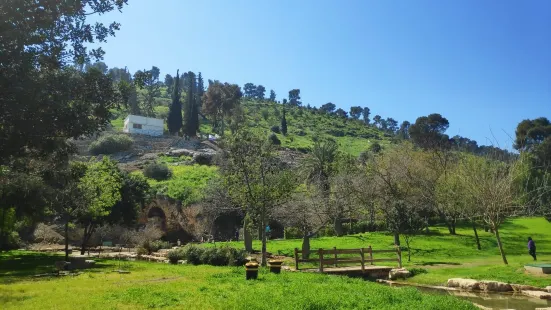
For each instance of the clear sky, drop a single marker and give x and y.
(483, 64)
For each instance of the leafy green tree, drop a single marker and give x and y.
(100, 185)
(392, 125)
(169, 83)
(120, 74)
(148, 80)
(403, 132)
(219, 101)
(341, 113)
(249, 90)
(429, 132)
(328, 107)
(99, 65)
(260, 92)
(356, 112)
(272, 95)
(284, 123)
(294, 97)
(365, 114)
(174, 120)
(254, 180)
(377, 120)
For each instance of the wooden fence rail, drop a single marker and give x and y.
(330, 257)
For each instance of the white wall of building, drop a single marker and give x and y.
(144, 125)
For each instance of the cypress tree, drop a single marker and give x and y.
(284, 124)
(191, 115)
(174, 120)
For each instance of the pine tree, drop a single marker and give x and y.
(175, 112)
(191, 115)
(272, 95)
(284, 124)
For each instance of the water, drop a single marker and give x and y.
(493, 300)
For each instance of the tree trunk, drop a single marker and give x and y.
(338, 226)
(451, 227)
(397, 239)
(263, 262)
(306, 246)
(2, 229)
(476, 236)
(66, 240)
(247, 238)
(407, 244)
(500, 246)
(88, 231)
(427, 225)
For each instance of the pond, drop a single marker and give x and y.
(492, 300)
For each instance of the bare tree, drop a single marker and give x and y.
(491, 185)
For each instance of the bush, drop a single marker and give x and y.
(157, 171)
(275, 129)
(155, 246)
(292, 233)
(192, 254)
(274, 139)
(216, 256)
(110, 144)
(301, 133)
(175, 255)
(416, 271)
(142, 251)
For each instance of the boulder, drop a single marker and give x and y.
(548, 289)
(537, 294)
(522, 287)
(400, 273)
(466, 284)
(494, 286)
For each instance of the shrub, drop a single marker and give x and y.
(216, 256)
(265, 114)
(192, 254)
(275, 129)
(175, 255)
(274, 139)
(237, 257)
(292, 233)
(301, 133)
(142, 251)
(157, 171)
(416, 271)
(158, 245)
(110, 144)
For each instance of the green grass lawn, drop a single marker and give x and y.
(445, 256)
(155, 285)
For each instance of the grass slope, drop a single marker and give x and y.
(445, 256)
(154, 285)
(304, 126)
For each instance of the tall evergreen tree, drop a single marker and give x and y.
(283, 124)
(175, 112)
(191, 115)
(272, 95)
(200, 93)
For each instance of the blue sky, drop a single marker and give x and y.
(484, 65)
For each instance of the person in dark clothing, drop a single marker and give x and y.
(531, 247)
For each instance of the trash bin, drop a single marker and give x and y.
(275, 266)
(251, 270)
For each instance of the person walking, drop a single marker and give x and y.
(532, 247)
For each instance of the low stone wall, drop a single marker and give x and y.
(491, 286)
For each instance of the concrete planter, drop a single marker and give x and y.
(251, 271)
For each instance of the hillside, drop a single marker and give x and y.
(304, 126)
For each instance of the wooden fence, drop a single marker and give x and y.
(329, 257)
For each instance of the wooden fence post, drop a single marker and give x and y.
(320, 253)
(335, 250)
(370, 255)
(399, 254)
(363, 259)
(296, 259)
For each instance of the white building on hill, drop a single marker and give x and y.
(144, 125)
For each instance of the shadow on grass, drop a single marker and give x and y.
(19, 266)
(439, 263)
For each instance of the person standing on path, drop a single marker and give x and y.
(531, 247)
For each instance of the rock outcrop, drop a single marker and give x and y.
(400, 273)
(465, 284)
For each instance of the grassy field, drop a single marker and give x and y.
(154, 285)
(443, 256)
